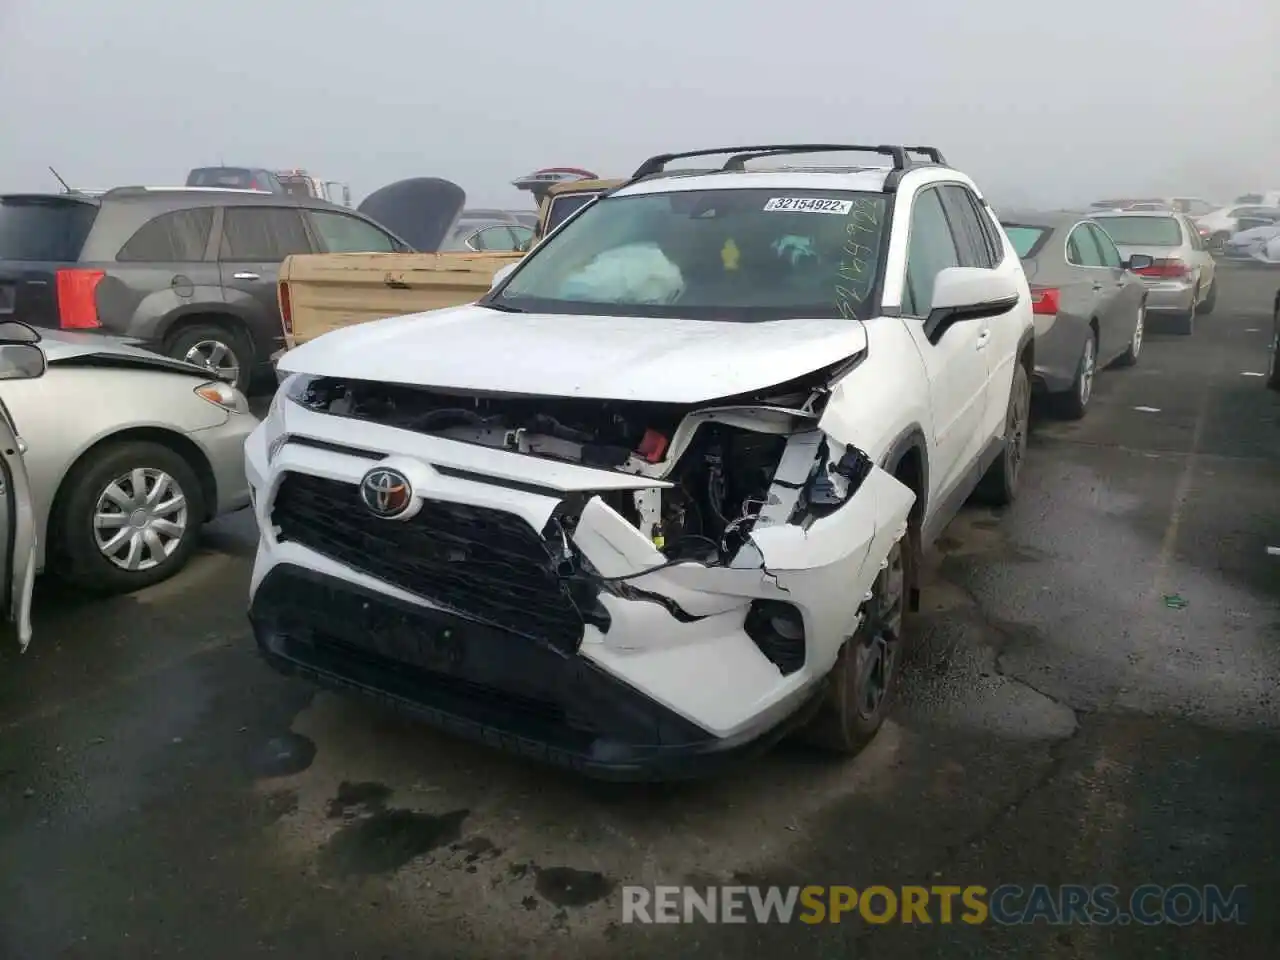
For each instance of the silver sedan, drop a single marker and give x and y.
(128, 454)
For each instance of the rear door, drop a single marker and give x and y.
(254, 240)
(1083, 250)
(39, 234)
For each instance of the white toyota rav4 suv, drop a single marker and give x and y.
(659, 497)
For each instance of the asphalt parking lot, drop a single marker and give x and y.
(1092, 700)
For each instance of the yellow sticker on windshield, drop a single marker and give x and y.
(730, 254)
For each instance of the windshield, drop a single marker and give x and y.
(1026, 240)
(1143, 231)
(44, 228)
(737, 255)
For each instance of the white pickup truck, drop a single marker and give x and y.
(659, 497)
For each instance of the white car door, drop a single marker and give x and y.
(957, 362)
(20, 359)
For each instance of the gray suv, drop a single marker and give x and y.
(189, 272)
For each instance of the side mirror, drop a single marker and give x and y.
(15, 331)
(21, 361)
(1139, 261)
(501, 275)
(968, 293)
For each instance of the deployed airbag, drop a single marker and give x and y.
(635, 273)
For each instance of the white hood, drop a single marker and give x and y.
(608, 358)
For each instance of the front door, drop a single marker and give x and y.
(957, 363)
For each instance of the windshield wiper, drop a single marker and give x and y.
(502, 307)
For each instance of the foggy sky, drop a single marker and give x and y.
(1042, 102)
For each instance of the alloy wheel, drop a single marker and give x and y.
(1136, 345)
(140, 519)
(878, 653)
(215, 356)
(1088, 367)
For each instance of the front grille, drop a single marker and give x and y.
(487, 565)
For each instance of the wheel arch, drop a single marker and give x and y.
(908, 460)
(182, 446)
(227, 318)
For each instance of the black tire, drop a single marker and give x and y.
(1130, 356)
(74, 528)
(1210, 299)
(206, 341)
(999, 485)
(860, 690)
(1074, 403)
(1273, 355)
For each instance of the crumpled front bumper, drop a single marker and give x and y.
(673, 646)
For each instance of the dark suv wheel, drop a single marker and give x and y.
(226, 353)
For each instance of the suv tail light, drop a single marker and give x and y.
(286, 308)
(1165, 268)
(77, 303)
(1045, 301)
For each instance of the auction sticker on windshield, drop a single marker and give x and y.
(808, 205)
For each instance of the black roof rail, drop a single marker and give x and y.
(656, 164)
(933, 153)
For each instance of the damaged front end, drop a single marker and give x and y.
(712, 559)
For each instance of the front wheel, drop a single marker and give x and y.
(1210, 299)
(999, 485)
(861, 686)
(128, 516)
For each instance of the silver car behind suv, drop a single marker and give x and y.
(1181, 283)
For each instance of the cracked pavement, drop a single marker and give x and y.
(163, 794)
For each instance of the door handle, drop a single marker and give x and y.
(1097, 285)
(983, 338)
(246, 276)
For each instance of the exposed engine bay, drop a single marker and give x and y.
(711, 474)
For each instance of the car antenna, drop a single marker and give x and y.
(65, 186)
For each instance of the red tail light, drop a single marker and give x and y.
(1045, 300)
(253, 185)
(77, 303)
(1165, 268)
(286, 308)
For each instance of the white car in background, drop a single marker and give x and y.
(1217, 227)
(1260, 244)
(659, 497)
(129, 453)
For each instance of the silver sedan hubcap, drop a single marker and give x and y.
(140, 519)
(1137, 331)
(1087, 364)
(216, 356)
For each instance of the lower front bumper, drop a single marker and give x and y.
(483, 683)
(223, 447)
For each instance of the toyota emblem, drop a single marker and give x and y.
(386, 493)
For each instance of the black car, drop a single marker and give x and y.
(189, 272)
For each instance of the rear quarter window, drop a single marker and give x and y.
(1026, 240)
(179, 236)
(44, 228)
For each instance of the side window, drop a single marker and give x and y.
(262, 234)
(971, 242)
(340, 233)
(496, 239)
(930, 250)
(1082, 249)
(176, 237)
(1106, 246)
